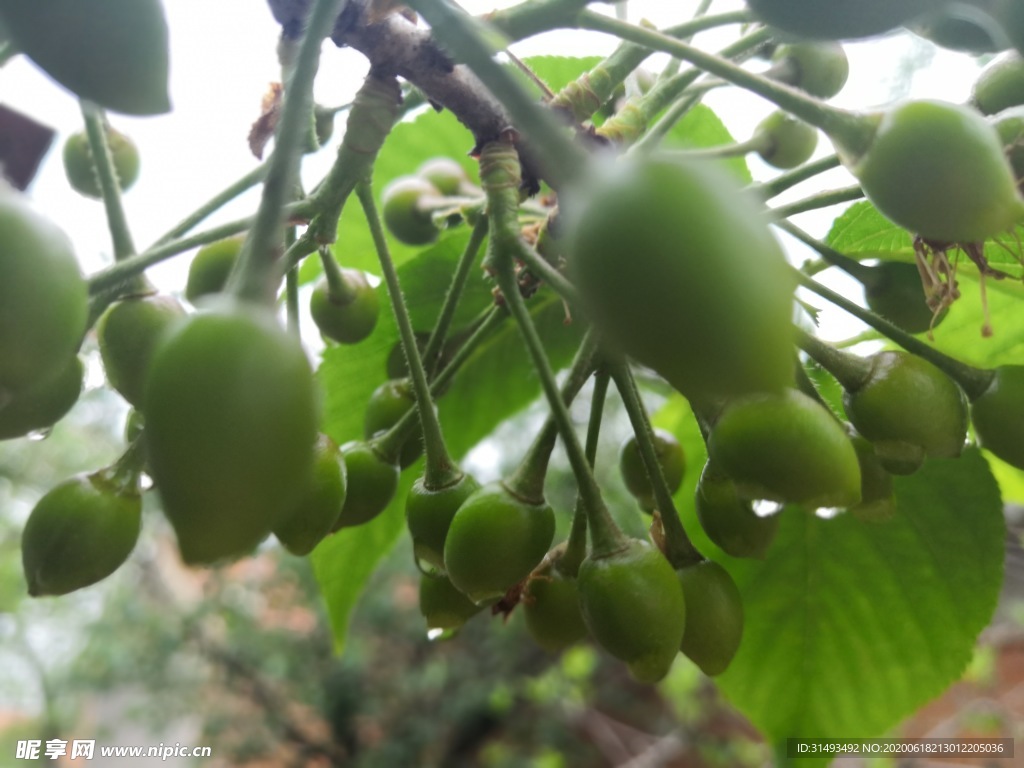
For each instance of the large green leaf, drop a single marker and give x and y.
(850, 626)
(700, 129)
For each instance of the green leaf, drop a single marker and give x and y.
(701, 128)
(887, 614)
(850, 626)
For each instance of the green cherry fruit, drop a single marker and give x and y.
(495, 540)
(893, 289)
(877, 502)
(634, 472)
(938, 170)
(372, 483)
(789, 142)
(442, 605)
(909, 410)
(350, 318)
(231, 413)
(837, 19)
(79, 533)
(730, 521)
(1010, 125)
(675, 266)
(210, 267)
(429, 513)
(321, 501)
(112, 52)
(786, 447)
(963, 26)
(387, 405)
(818, 68)
(445, 174)
(42, 406)
(403, 212)
(714, 616)
(80, 167)
(551, 604)
(1000, 85)
(128, 332)
(998, 415)
(43, 297)
(634, 607)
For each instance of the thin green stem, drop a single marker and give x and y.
(337, 286)
(657, 132)
(818, 200)
(441, 471)
(848, 369)
(576, 545)
(535, 16)
(851, 132)
(215, 203)
(110, 186)
(291, 290)
(679, 550)
(756, 143)
(784, 181)
(467, 39)
(974, 381)
(259, 269)
(540, 267)
(499, 171)
(431, 352)
(851, 266)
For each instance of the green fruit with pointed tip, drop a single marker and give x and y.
(495, 539)
(714, 616)
(128, 332)
(372, 483)
(112, 52)
(837, 19)
(877, 502)
(210, 267)
(403, 211)
(387, 405)
(445, 174)
(442, 605)
(551, 604)
(634, 607)
(730, 521)
(350, 318)
(788, 448)
(81, 168)
(634, 473)
(429, 513)
(998, 415)
(79, 533)
(818, 68)
(715, 323)
(43, 297)
(909, 410)
(893, 289)
(1000, 85)
(790, 142)
(231, 414)
(321, 502)
(42, 406)
(938, 170)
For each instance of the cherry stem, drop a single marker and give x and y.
(852, 133)
(851, 371)
(110, 187)
(259, 269)
(291, 291)
(431, 352)
(852, 267)
(974, 381)
(818, 200)
(784, 181)
(339, 288)
(679, 550)
(467, 40)
(576, 545)
(499, 173)
(441, 471)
